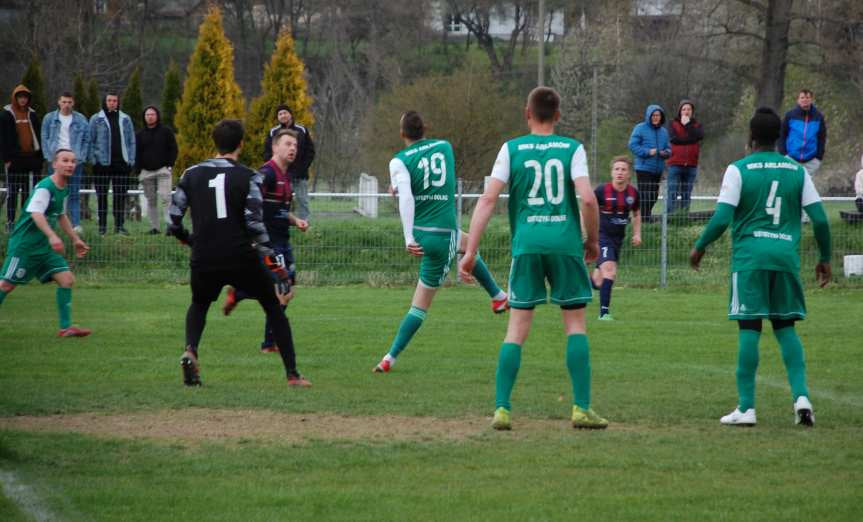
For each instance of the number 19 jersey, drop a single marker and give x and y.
(543, 209)
(431, 167)
(768, 191)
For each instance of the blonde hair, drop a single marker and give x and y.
(621, 159)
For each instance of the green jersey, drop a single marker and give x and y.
(543, 210)
(768, 191)
(424, 175)
(47, 199)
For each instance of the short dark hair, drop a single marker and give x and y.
(413, 126)
(60, 151)
(284, 132)
(806, 92)
(543, 103)
(67, 94)
(764, 127)
(227, 135)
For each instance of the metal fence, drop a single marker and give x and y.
(344, 246)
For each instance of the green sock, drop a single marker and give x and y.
(578, 364)
(3, 296)
(64, 307)
(747, 364)
(792, 356)
(409, 326)
(508, 363)
(484, 277)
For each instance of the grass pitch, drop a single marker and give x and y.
(102, 429)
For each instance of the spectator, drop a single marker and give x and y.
(20, 130)
(858, 187)
(804, 133)
(112, 152)
(299, 169)
(65, 128)
(649, 144)
(685, 134)
(156, 152)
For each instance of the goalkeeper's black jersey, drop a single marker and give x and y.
(225, 201)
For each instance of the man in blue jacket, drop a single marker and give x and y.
(112, 153)
(65, 128)
(804, 133)
(650, 146)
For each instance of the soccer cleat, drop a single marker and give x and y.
(230, 301)
(739, 418)
(74, 331)
(803, 413)
(606, 317)
(500, 306)
(383, 367)
(189, 365)
(587, 419)
(298, 381)
(502, 420)
(270, 349)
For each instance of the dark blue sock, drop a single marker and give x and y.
(605, 296)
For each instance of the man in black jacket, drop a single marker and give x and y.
(155, 156)
(299, 169)
(20, 136)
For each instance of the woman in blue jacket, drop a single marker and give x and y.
(650, 146)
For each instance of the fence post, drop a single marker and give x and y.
(663, 269)
(458, 210)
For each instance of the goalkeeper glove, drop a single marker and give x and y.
(180, 233)
(278, 269)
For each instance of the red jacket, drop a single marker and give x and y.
(684, 143)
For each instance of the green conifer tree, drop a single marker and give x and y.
(210, 92)
(132, 103)
(283, 83)
(34, 81)
(171, 93)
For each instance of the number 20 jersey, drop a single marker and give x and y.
(769, 192)
(431, 166)
(543, 209)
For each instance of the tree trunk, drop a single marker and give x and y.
(774, 55)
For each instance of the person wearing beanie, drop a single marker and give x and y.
(685, 136)
(20, 136)
(762, 198)
(299, 169)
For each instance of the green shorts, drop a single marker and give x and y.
(439, 251)
(566, 275)
(19, 269)
(766, 294)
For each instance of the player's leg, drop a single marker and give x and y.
(206, 287)
(5, 289)
(411, 322)
(485, 279)
(787, 306)
(16, 271)
(65, 281)
(282, 248)
(607, 271)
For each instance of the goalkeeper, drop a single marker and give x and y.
(230, 238)
(277, 193)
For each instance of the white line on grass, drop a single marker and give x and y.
(25, 497)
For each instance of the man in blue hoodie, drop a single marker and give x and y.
(804, 133)
(650, 146)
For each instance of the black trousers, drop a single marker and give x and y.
(648, 190)
(118, 176)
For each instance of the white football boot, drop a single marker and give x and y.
(739, 418)
(803, 413)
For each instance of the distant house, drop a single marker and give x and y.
(501, 22)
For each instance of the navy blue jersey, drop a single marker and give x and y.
(614, 209)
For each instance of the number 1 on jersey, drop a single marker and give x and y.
(774, 204)
(218, 183)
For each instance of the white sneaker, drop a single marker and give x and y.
(803, 413)
(78, 229)
(738, 418)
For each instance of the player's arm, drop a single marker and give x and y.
(811, 202)
(636, 227)
(253, 214)
(301, 224)
(400, 179)
(177, 209)
(37, 207)
(729, 198)
(589, 208)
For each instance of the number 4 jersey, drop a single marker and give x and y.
(543, 210)
(768, 191)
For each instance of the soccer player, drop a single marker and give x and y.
(35, 249)
(616, 200)
(228, 242)
(544, 171)
(423, 176)
(278, 218)
(762, 198)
